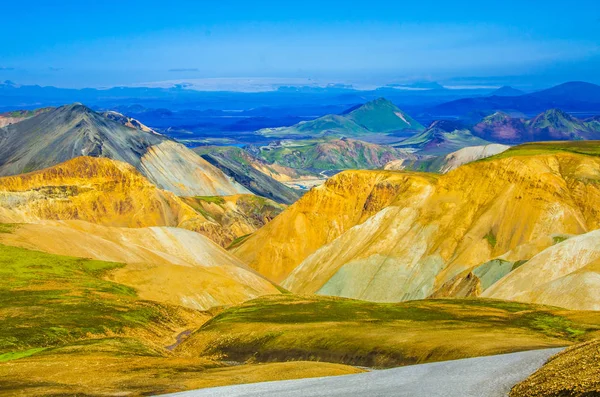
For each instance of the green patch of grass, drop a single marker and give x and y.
(211, 199)
(491, 238)
(8, 227)
(20, 354)
(51, 300)
(588, 148)
(518, 264)
(559, 239)
(236, 242)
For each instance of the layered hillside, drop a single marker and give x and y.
(378, 116)
(167, 265)
(442, 137)
(469, 154)
(551, 125)
(256, 175)
(332, 154)
(113, 193)
(566, 274)
(230, 219)
(323, 214)
(63, 133)
(388, 236)
(97, 190)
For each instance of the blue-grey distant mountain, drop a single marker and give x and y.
(507, 91)
(571, 97)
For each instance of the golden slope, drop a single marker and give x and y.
(93, 189)
(388, 236)
(168, 265)
(322, 215)
(112, 193)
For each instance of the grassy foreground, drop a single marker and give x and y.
(288, 327)
(67, 330)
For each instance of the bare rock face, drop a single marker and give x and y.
(470, 154)
(172, 166)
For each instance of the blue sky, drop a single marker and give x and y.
(105, 43)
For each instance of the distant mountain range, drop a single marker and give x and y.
(571, 97)
(507, 91)
(551, 125)
(378, 116)
(445, 136)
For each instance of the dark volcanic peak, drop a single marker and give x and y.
(574, 90)
(69, 131)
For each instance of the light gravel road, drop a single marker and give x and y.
(491, 376)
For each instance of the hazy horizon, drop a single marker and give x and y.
(524, 44)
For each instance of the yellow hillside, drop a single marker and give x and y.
(393, 236)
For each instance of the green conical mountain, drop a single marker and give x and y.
(378, 116)
(382, 115)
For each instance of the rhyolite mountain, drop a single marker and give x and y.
(113, 193)
(60, 134)
(378, 116)
(442, 137)
(571, 97)
(253, 173)
(389, 236)
(551, 125)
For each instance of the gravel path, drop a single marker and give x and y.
(478, 377)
